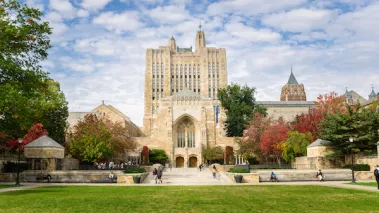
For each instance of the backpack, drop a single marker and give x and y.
(376, 172)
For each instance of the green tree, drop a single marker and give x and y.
(27, 94)
(240, 105)
(213, 154)
(361, 124)
(95, 139)
(158, 156)
(295, 146)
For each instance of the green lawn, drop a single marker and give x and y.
(367, 184)
(189, 199)
(2, 186)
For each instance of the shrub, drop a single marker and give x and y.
(358, 167)
(135, 170)
(12, 167)
(238, 170)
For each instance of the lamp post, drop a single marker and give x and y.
(351, 140)
(18, 162)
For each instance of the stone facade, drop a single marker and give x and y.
(287, 110)
(109, 112)
(293, 91)
(181, 111)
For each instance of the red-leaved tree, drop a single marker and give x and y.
(34, 133)
(272, 137)
(329, 103)
(249, 144)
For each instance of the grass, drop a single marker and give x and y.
(278, 198)
(367, 184)
(2, 186)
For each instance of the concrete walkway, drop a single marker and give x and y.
(189, 176)
(338, 184)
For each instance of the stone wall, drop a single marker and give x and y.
(317, 163)
(319, 151)
(128, 178)
(92, 176)
(293, 175)
(45, 152)
(70, 164)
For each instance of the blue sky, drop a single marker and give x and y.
(99, 45)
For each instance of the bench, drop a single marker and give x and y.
(44, 177)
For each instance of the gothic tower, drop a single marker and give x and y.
(200, 39)
(293, 91)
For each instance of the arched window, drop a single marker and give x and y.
(186, 134)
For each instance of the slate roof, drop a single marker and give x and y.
(44, 142)
(292, 79)
(319, 142)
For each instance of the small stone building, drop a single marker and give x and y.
(44, 154)
(316, 156)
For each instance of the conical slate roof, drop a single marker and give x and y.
(320, 142)
(292, 79)
(44, 142)
(372, 95)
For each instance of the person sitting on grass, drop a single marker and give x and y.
(273, 177)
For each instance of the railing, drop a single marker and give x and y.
(93, 167)
(272, 166)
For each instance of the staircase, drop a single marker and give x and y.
(189, 176)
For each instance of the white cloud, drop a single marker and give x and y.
(249, 34)
(299, 20)
(82, 13)
(94, 4)
(251, 7)
(64, 7)
(119, 22)
(169, 14)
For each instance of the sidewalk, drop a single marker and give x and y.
(338, 184)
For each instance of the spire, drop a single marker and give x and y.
(200, 25)
(172, 38)
(292, 79)
(372, 95)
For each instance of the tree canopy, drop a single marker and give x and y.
(27, 95)
(157, 156)
(361, 124)
(240, 105)
(295, 145)
(95, 139)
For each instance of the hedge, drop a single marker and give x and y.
(358, 167)
(135, 170)
(238, 170)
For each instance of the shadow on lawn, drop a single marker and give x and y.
(29, 191)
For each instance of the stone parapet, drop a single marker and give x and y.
(128, 178)
(305, 175)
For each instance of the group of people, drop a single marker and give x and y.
(111, 165)
(158, 175)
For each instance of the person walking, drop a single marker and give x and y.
(214, 171)
(376, 173)
(159, 174)
(155, 171)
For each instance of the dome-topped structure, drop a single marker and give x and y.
(293, 91)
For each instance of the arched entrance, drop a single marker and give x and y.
(193, 162)
(185, 133)
(179, 162)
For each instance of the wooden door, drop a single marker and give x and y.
(192, 162)
(179, 162)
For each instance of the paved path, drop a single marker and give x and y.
(338, 184)
(189, 176)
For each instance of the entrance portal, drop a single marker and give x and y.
(179, 162)
(192, 162)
